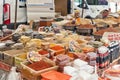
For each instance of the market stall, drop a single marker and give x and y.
(68, 46)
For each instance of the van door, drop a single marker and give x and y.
(21, 11)
(40, 8)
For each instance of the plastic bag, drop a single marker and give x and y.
(13, 75)
(3, 75)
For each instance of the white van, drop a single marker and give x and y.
(21, 11)
(40, 8)
(91, 7)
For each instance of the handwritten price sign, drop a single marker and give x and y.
(114, 37)
(111, 36)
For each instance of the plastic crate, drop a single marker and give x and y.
(31, 74)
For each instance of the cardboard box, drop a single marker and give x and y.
(1, 56)
(20, 58)
(4, 66)
(9, 56)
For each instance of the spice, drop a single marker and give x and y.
(86, 26)
(45, 45)
(39, 65)
(57, 48)
(101, 32)
(54, 75)
(42, 52)
(88, 49)
(77, 21)
(70, 54)
(22, 56)
(102, 78)
(69, 25)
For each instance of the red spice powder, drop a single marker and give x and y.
(39, 65)
(57, 48)
(42, 52)
(102, 78)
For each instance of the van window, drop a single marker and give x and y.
(97, 2)
(78, 3)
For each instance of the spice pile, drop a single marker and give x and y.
(57, 48)
(39, 65)
(42, 52)
(69, 24)
(86, 26)
(101, 32)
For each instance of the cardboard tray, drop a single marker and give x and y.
(8, 56)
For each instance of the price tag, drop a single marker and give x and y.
(111, 36)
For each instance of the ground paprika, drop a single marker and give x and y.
(57, 48)
(39, 65)
(42, 52)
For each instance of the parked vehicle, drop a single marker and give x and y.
(91, 7)
(7, 11)
(40, 8)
